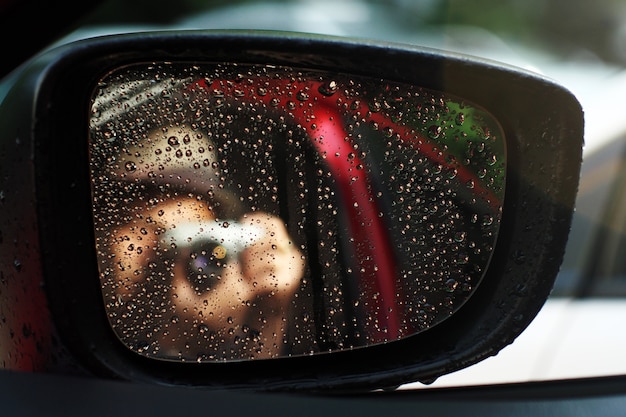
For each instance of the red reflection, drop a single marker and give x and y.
(317, 110)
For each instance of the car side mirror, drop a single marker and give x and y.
(272, 211)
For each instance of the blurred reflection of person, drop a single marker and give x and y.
(197, 276)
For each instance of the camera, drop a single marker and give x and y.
(206, 249)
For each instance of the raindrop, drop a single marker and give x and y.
(142, 346)
(434, 131)
(375, 107)
(451, 285)
(463, 258)
(130, 166)
(173, 141)
(302, 96)
(328, 88)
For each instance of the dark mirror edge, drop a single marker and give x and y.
(541, 185)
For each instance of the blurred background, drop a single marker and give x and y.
(565, 28)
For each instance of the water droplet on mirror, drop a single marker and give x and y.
(328, 89)
(375, 106)
(434, 131)
(302, 96)
(451, 285)
(130, 166)
(142, 346)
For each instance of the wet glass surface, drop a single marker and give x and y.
(248, 212)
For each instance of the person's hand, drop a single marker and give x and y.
(250, 291)
(272, 265)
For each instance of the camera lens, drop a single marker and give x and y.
(206, 264)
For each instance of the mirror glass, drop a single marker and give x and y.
(250, 212)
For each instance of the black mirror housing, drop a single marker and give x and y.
(54, 318)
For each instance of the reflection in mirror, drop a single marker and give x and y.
(247, 212)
